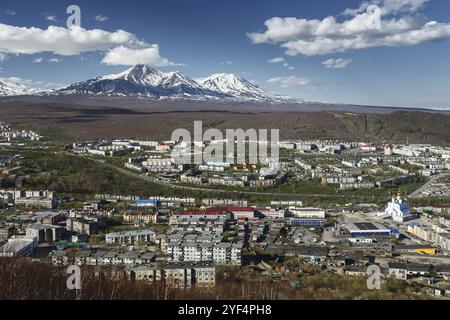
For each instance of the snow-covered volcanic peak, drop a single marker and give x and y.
(231, 84)
(10, 87)
(140, 74)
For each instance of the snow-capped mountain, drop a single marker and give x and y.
(143, 81)
(10, 87)
(146, 82)
(239, 88)
(139, 81)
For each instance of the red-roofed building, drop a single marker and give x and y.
(242, 213)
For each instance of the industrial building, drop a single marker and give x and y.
(367, 229)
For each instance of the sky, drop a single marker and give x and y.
(374, 52)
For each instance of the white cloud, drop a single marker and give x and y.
(2, 56)
(100, 18)
(281, 60)
(336, 63)
(276, 60)
(61, 41)
(51, 18)
(285, 82)
(398, 27)
(10, 12)
(40, 60)
(34, 84)
(129, 56)
(123, 48)
(389, 6)
(226, 62)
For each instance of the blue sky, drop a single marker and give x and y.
(201, 37)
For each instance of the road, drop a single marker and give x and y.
(175, 186)
(418, 192)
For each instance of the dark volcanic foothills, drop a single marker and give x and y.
(83, 118)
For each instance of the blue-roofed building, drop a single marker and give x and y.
(151, 203)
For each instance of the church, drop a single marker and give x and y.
(398, 209)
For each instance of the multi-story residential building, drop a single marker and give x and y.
(39, 199)
(103, 258)
(224, 202)
(48, 217)
(45, 233)
(140, 217)
(181, 276)
(131, 237)
(83, 226)
(6, 232)
(307, 212)
(221, 253)
(19, 246)
(272, 212)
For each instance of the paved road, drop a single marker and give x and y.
(418, 192)
(175, 186)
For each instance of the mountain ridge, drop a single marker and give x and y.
(146, 82)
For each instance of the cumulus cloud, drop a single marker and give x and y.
(336, 63)
(285, 82)
(399, 25)
(121, 47)
(128, 56)
(53, 60)
(100, 18)
(389, 6)
(276, 60)
(10, 12)
(2, 56)
(58, 40)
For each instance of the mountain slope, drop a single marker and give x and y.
(147, 82)
(10, 87)
(240, 88)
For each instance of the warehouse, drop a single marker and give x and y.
(364, 229)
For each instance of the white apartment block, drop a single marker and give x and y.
(221, 253)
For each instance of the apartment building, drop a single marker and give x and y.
(307, 212)
(83, 226)
(221, 253)
(131, 237)
(182, 276)
(140, 217)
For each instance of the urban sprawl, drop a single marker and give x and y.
(337, 206)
